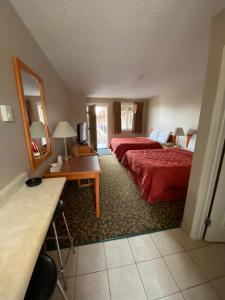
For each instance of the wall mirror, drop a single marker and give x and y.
(32, 106)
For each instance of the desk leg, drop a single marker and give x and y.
(97, 195)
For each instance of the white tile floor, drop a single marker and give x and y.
(167, 265)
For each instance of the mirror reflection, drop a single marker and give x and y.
(35, 114)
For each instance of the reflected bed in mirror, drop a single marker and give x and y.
(32, 105)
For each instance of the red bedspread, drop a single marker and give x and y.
(162, 175)
(121, 145)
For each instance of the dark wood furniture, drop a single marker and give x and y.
(77, 168)
(82, 150)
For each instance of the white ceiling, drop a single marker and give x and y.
(122, 48)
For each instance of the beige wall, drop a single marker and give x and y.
(77, 112)
(178, 108)
(217, 42)
(16, 40)
(109, 103)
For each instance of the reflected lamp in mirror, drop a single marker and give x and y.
(37, 133)
(33, 112)
(64, 130)
(179, 131)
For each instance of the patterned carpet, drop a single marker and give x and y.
(123, 212)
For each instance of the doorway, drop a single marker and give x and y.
(102, 125)
(209, 214)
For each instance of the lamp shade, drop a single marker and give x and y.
(179, 131)
(37, 130)
(191, 131)
(64, 130)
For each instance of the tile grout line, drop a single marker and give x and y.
(179, 251)
(185, 251)
(208, 282)
(117, 267)
(215, 290)
(207, 244)
(110, 295)
(193, 286)
(90, 273)
(163, 297)
(197, 266)
(185, 248)
(213, 250)
(180, 291)
(137, 269)
(162, 257)
(200, 267)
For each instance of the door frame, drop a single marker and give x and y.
(212, 158)
(107, 113)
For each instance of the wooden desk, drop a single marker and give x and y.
(82, 167)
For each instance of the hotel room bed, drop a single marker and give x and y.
(121, 145)
(161, 174)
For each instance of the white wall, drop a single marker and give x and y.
(179, 107)
(217, 42)
(109, 103)
(17, 41)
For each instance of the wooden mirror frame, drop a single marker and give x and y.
(18, 67)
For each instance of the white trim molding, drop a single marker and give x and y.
(212, 157)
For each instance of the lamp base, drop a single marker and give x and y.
(66, 158)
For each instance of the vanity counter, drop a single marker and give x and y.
(24, 221)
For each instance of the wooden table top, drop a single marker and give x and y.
(81, 164)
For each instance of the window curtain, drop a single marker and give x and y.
(117, 116)
(92, 127)
(138, 117)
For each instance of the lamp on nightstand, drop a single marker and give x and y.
(179, 131)
(191, 131)
(64, 130)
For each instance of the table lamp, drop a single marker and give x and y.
(37, 131)
(179, 131)
(64, 130)
(191, 131)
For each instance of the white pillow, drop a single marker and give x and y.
(163, 136)
(154, 134)
(191, 144)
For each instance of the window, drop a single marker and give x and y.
(41, 119)
(127, 112)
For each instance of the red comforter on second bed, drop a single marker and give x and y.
(162, 175)
(121, 145)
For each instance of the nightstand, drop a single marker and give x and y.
(169, 145)
(82, 150)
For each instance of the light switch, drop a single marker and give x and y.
(6, 113)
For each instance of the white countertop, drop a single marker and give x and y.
(24, 221)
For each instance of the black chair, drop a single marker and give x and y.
(44, 280)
